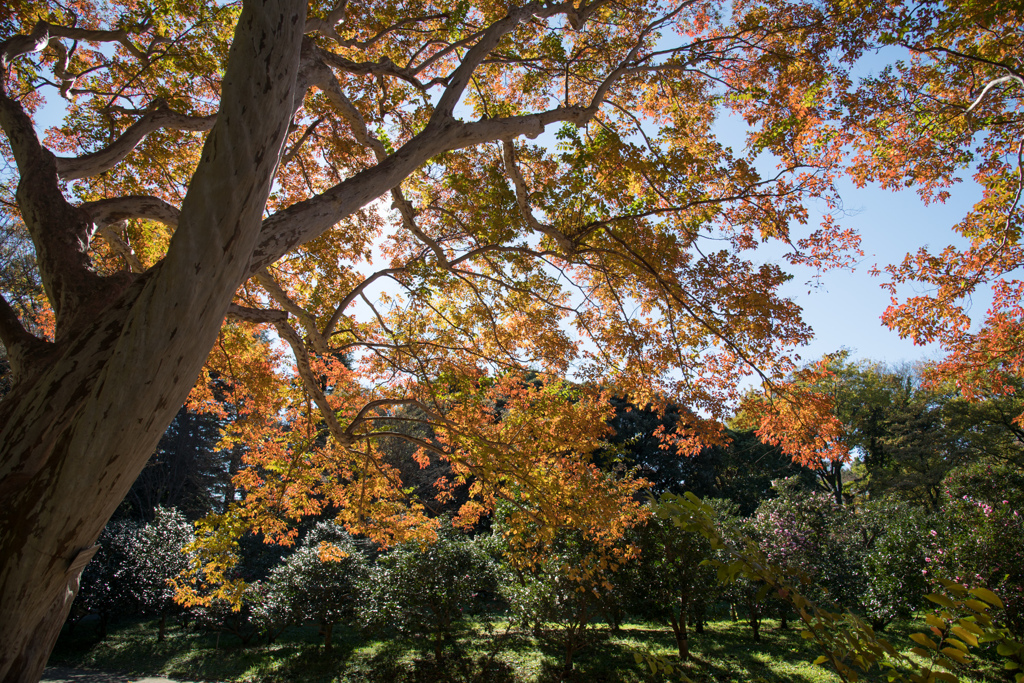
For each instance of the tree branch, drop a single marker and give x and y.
(256, 315)
(328, 25)
(320, 75)
(523, 199)
(991, 84)
(73, 168)
(382, 67)
(21, 344)
(311, 383)
(109, 216)
(111, 234)
(356, 292)
(60, 232)
(460, 78)
(106, 211)
(306, 220)
(305, 317)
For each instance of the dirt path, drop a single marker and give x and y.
(56, 674)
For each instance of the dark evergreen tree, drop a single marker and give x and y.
(741, 469)
(186, 471)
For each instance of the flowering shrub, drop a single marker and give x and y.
(427, 591)
(107, 587)
(979, 537)
(155, 556)
(318, 582)
(811, 533)
(893, 560)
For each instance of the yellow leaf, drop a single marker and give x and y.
(922, 639)
(988, 596)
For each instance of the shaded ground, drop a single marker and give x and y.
(58, 674)
(487, 652)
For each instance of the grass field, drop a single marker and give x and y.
(725, 653)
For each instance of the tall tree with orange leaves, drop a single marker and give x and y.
(232, 174)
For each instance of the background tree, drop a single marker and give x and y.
(741, 468)
(667, 580)
(898, 431)
(560, 594)
(987, 427)
(186, 472)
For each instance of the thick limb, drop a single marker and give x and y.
(75, 436)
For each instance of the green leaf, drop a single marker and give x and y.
(957, 644)
(964, 635)
(971, 626)
(821, 659)
(977, 606)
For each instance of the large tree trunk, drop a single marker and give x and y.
(85, 416)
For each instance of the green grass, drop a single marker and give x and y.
(725, 653)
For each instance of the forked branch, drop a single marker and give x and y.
(21, 344)
(311, 383)
(73, 168)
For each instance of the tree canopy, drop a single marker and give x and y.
(482, 218)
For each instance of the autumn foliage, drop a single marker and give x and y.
(462, 226)
(506, 288)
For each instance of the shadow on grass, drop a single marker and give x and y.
(725, 652)
(132, 649)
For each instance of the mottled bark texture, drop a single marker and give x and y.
(89, 409)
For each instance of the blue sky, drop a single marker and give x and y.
(845, 309)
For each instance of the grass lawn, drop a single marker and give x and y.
(725, 653)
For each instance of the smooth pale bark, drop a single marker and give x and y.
(110, 156)
(76, 432)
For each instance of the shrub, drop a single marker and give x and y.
(319, 582)
(426, 592)
(156, 556)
